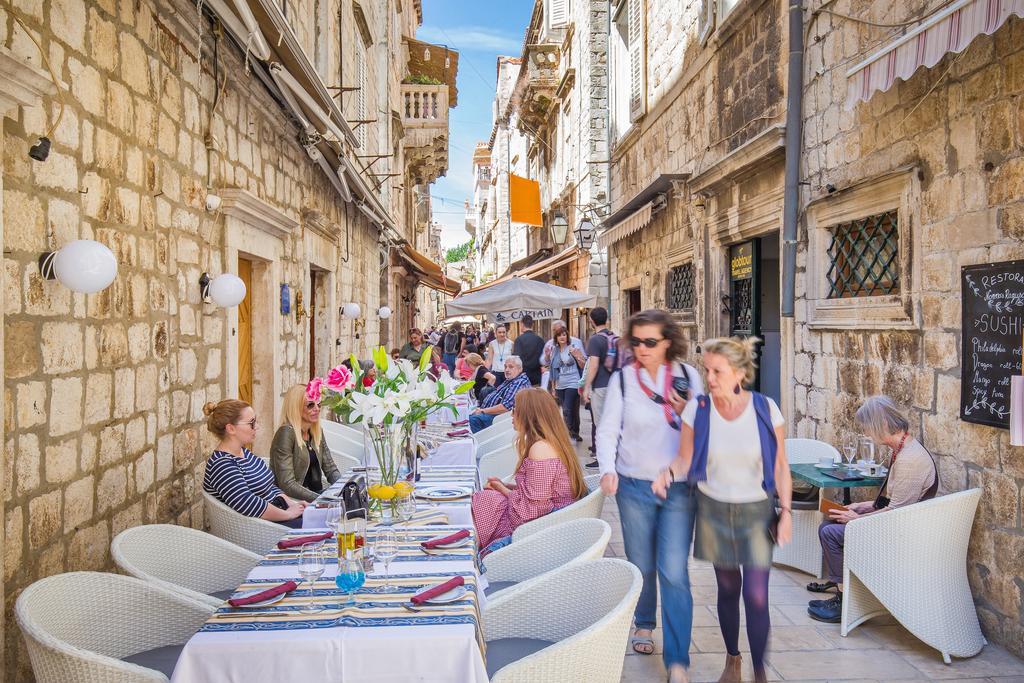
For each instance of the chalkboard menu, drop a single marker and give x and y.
(993, 326)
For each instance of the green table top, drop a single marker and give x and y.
(812, 475)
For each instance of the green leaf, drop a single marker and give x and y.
(425, 358)
(464, 387)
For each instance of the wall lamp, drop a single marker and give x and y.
(384, 312)
(225, 290)
(85, 266)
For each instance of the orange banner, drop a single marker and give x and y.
(525, 200)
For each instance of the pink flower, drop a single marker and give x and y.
(339, 378)
(314, 389)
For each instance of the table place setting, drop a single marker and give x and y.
(415, 544)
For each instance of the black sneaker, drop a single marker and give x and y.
(829, 611)
(593, 464)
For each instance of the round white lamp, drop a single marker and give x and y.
(226, 290)
(85, 266)
(384, 312)
(350, 311)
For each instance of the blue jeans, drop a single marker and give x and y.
(449, 360)
(479, 421)
(657, 535)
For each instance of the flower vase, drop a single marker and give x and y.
(389, 455)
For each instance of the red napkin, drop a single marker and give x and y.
(285, 587)
(451, 538)
(439, 589)
(460, 423)
(459, 432)
(286, 543)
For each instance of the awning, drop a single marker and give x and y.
(950, 30)
(431, 274)
(535, 268)
(516, 294)
(635, 213)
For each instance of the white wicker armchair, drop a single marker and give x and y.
(571, 624)
(499, 463)
(79, 626)
(494, 436)
(587, 507)
(803, 552)
(191, 562)
(252, 533)
(912, 563)
(558, 546)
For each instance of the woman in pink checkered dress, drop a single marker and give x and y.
(548, 474)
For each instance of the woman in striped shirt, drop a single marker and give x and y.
(238, 478)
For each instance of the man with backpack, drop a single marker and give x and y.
(452, 344)
(605, 356)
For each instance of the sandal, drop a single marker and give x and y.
(642, 645)
(823, 587)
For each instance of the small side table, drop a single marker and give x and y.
(812, 475)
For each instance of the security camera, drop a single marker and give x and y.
(212, 202)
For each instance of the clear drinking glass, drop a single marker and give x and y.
(849, 450)
(867, 451)
(386, 549)
(311, 568)
(335, 521)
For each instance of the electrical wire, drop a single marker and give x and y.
(53, 76)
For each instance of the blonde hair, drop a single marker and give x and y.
(739, 352)
(219, 415)
(538, 418)
(293, 408)
(473, 360)
(879, 417)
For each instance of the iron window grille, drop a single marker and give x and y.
(681, 290)
(864, 257)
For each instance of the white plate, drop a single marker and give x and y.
(264, 603)
(452, 546)
(443, 492)
(825, 467)
(454, 594)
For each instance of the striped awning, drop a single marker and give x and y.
(626, 227)
(950, 30)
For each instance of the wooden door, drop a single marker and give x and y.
(245, 334)
(312, 323)
(633, 302)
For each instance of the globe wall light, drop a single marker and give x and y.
(85, 266)
(351, 311)
(384, 312)
(225, 290)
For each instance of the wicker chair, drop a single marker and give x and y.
(500, 463)
(512, 567)
(194, 563)
(504, 417)
(912, 563)
(342, 444)
(496, 434)
(587, 507)
(252, 533)
(571, 624)
(80, 626)
(804, 551)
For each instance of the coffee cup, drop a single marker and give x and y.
(874, 468)
(826, 461)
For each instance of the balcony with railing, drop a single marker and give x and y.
(425, 119)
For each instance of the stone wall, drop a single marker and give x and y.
(959, 126)
(103, 393)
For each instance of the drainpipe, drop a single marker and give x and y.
(794, 135)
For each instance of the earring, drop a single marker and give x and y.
(736, 389)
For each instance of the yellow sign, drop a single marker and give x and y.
(741, 262)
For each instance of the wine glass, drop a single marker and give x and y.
(335, 521)
(386, 549)
(311, 568)
(350, 578)
(406, 510)
(849, 450)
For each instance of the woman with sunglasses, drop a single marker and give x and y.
(235, 476)
(299, 455)
(637, 438)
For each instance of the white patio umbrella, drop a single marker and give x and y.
(518, 294)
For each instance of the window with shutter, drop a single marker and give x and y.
(558, 13)
(637, 59)
(706, 20)
(360, 53)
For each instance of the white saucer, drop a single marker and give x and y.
(263, 603)
(454, 594)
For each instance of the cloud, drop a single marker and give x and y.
(473, 38)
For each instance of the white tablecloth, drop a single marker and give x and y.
(444, 415)
(455, 453)
(442, 653)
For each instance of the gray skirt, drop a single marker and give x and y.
(733, 534)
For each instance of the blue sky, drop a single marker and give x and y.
(479, 30)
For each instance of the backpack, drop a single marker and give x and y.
(451, 342)
(618, 354)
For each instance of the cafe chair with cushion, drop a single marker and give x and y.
(922, 581)
(571, 624)
(511, 567)
(504, 417)
(345, 462)
(491, 437)
(500, 463)
(194, 563)
(252, 533)
(587, 507)
(804, 551)
(87, 627)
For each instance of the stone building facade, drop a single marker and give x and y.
(697, 177)
(103, 393)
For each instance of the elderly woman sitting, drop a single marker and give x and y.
(912, 478)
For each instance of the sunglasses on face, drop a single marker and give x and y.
(312, 404)
(251, 423)
(649, 342)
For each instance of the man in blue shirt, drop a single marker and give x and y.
(503, 399)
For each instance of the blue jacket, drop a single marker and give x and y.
(765, 430)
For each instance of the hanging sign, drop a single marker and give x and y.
(517, 315)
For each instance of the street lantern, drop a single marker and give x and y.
(585, 234)
(559, 228)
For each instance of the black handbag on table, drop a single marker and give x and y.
(355, 497)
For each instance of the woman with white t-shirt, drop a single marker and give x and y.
(637, 438)
(733, 449)
(497, 351)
